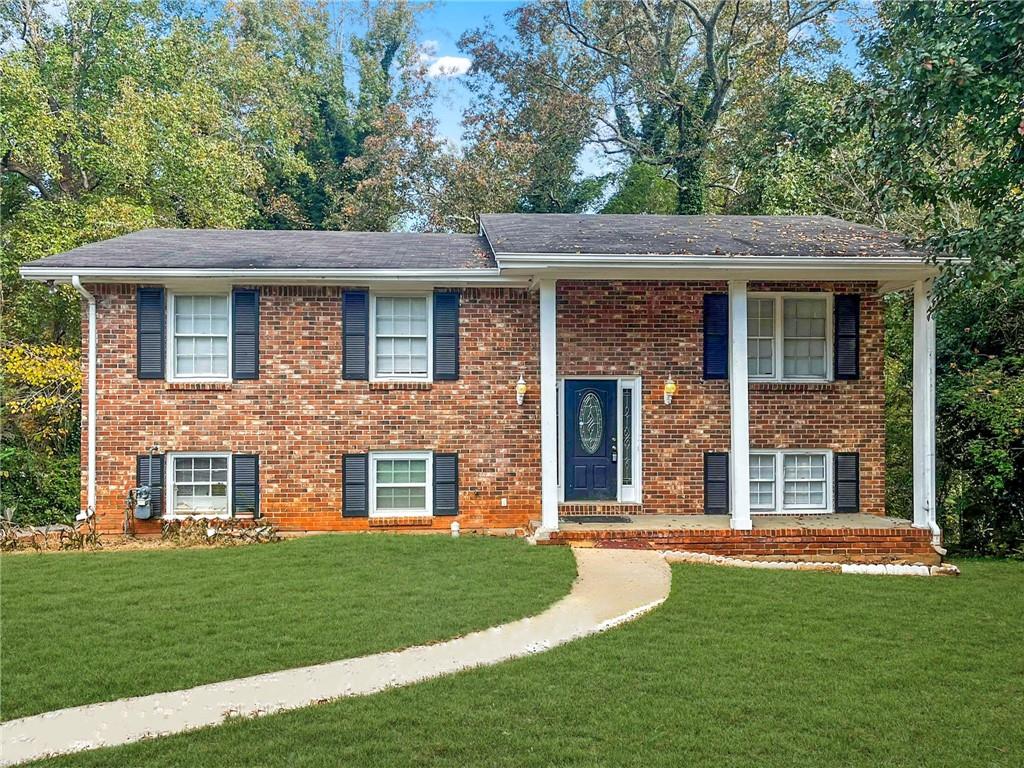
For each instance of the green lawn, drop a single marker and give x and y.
(86, 627)
(738, 668)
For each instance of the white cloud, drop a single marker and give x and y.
(449, 66)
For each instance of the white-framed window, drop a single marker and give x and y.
(400, 337)
(200, 485)
(790, 481)
(400, 484)
(200, 334)
(762, 480)
(789, 336)
(760, 337)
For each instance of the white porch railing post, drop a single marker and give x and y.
(548, 408)
(739, 450)
(924, 410)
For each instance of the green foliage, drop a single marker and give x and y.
(642, 189)
(651, 83)
(949, 140)
(899, 422)
(980, 401)
(38, 488)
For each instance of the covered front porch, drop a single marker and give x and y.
(836, 537)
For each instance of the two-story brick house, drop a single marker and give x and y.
(711, 383)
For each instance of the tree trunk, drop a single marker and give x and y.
(691, 176)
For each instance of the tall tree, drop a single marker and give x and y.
(656, 78)
(122, 114)
(946, 110)
(363, 108)
(508, 81)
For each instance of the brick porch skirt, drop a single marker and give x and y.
(834, 545)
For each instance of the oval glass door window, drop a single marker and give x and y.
(591, 419)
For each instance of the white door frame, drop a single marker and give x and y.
(631, 494)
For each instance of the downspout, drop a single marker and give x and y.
(90, 508)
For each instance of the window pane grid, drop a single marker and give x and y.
(804, 337)
(761, 337)
(401, 332)
(401, 485)
(201, 336)
(804, 480)
(200, 485)
(762, 481)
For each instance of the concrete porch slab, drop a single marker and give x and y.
(721, 523)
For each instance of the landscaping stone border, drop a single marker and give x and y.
(876, 569)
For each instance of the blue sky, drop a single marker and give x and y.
(444, 22)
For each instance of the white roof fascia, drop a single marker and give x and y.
(273, 276)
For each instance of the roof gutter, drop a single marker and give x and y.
(90, 508)
(142, 274)
(705, 261)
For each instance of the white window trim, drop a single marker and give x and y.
(778, 507)
(778, 342)
(170, 485)
(428, 456)
(429, 376)
(775, 483)
(172, 373)
(631, 493)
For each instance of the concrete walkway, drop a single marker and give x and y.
(612, 586)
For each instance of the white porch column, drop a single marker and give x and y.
(739, 415)
(548, 408)
(924, 411)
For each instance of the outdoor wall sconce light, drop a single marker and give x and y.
(670, 389)
(520, 390)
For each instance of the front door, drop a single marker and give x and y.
(591, 472)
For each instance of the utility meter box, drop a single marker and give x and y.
(143, 502)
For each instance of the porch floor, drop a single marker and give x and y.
(721, 522)
(841, 538)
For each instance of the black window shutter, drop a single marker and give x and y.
(847, 481)
(446, 484)
(716, 483)
(150, 321)
(355, 477)
(245, 329)
(716, 336)
(355, 322)
(847, 336)
(155, 481)
(245, 485)
(446, 336)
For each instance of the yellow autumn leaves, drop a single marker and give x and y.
(42, 388)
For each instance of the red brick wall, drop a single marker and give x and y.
(835, 545)
(301, 417)
(651, 329)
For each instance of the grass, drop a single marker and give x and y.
(738, 668)
(87, 627)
